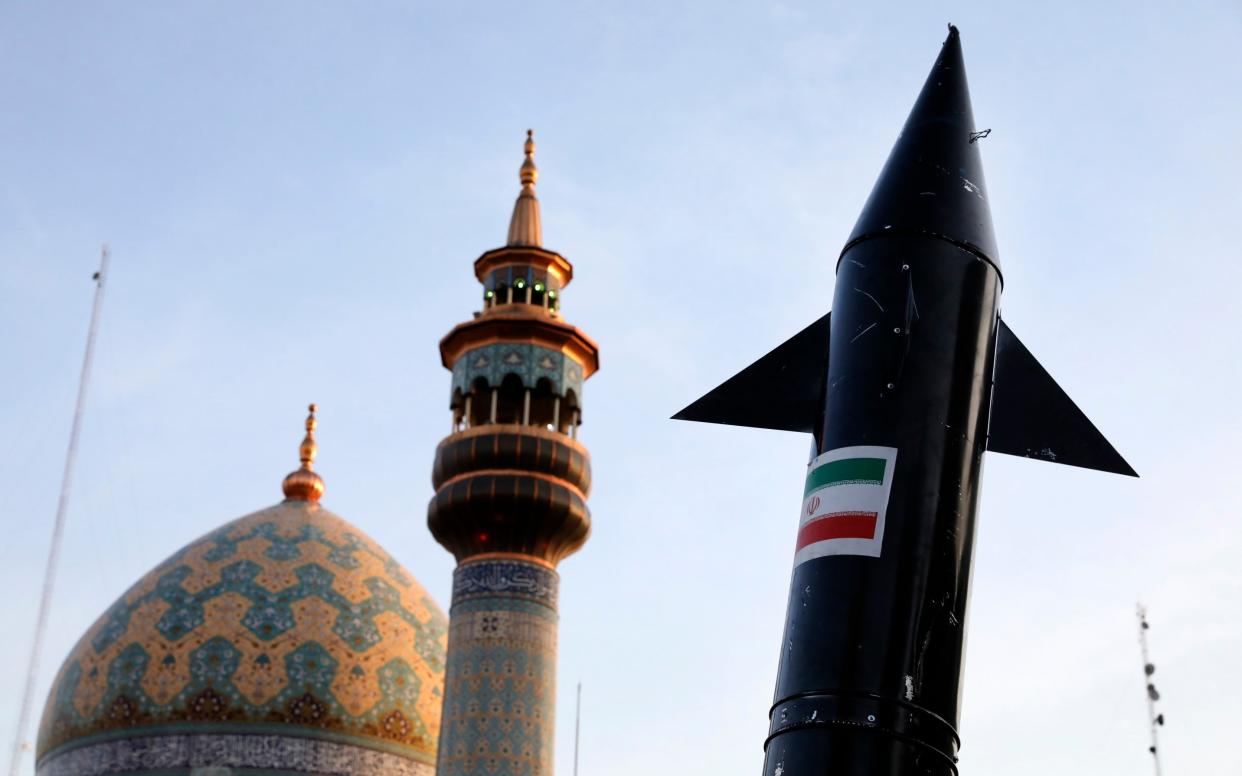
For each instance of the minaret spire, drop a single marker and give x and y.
(525, 228)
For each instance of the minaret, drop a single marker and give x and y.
(511, 483)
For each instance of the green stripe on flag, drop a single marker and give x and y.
(847, 471)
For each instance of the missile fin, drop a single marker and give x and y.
(1033, 418)
(782, 390)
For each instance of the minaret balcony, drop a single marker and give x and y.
(510, 488)
(540, 259)
(513, 446)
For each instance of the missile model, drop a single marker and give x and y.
(904, 385)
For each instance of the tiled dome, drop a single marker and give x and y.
(286, 640)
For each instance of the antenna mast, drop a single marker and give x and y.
(58, 527)
(1156, 720)
(577, 726)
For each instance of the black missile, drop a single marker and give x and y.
(904, 385)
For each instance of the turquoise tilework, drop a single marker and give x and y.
(500, 679)
(528, 362)
(287, 617)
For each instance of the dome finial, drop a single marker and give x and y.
(304, 484)
(524, 227)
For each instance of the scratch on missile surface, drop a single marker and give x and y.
(872, 298)
(858, 263)
(927, 193)
(909, 687)
(972, 188)
(864, 331)
(923, 651)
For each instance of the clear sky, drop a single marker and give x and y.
(294, 193)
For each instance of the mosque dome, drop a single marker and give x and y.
(286, 640)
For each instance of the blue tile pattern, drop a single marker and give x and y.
(500, 683)
(289, 617)
(529, 362)
(505, 578)
(224, 754)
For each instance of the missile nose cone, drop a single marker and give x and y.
(932, 182)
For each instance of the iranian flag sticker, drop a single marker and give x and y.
(844, 502)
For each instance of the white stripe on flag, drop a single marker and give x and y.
(852, 505)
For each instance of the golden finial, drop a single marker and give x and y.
(529, 172)
(304, 484)
(524, 227)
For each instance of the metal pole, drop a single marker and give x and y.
(1149, 689)
(58, 527)
(577, 726)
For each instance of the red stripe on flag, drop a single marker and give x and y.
(838, 525)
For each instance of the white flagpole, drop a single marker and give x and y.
(58, 526)
(577, 726)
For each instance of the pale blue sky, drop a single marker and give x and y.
(294, 193)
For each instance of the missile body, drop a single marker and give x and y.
(887, 528)
(904, 386)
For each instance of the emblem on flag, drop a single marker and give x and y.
(844, 503)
